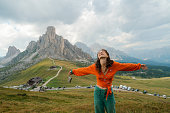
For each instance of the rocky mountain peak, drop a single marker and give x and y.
(51, 31)
(12, 50)
(31, 46)
(51, 45)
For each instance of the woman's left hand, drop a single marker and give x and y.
(144, 67)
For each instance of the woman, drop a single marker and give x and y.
(105, 69)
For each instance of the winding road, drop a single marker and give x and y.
(44, 85)
(54, 76)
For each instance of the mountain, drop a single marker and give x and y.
(117, 55)
(159, 55)
(85, 48)
(51, 45)
(12, 53)
(94, 48)
(114, 54)
(1, 58)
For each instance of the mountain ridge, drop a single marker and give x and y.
(11, 53)
(117, 55)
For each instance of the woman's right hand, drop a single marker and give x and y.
(69, 77)
(70, 73)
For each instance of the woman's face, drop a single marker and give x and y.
(102, 54)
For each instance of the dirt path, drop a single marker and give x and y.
(54, 76)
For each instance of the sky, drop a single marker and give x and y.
(122, 24)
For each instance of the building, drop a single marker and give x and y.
(34, 81)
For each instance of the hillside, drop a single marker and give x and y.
(41, 69)
(151, 72)
(79, 100)
(50, 45)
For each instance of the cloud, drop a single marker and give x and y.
(122, 24)
(35, 11)
(16, 34)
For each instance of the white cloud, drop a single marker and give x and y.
(122, 38)
(122, 24)
(16, 34)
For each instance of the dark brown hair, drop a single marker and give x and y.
(108, 62)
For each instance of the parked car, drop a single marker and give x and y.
(124, 87)
(136, 90)
(128, 88)
(144, 91)
(164, 96)
(154, 94)
(133, 89)
(121, 86)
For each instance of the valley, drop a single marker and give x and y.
(79, 100)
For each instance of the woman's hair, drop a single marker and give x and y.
(108, 62)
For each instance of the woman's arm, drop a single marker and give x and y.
(128, 66)
(83, 71)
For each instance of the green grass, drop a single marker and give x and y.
(40, 69)
(62, 79)
(77, 101)
(155, 85)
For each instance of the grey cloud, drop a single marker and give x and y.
(36, 11)
(141, 18)
(100, 5)
(144, 14)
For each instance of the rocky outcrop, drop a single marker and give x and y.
(12, 50)
(52, 45)
(49, 45)
(12, 53)
(32, 46)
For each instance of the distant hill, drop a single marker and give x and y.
(161, 55)
(12, 53)
(94, 48)
(116, 55)
(41, 69)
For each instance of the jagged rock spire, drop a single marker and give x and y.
(12, 50)
(51, 31)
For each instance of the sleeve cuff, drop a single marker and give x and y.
(139, 65)
(71, 72)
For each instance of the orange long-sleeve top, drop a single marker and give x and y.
(106, 80)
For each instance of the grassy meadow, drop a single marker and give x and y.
(79, 100)
(76, 101)
(40, 69)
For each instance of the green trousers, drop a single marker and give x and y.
(100, 103)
